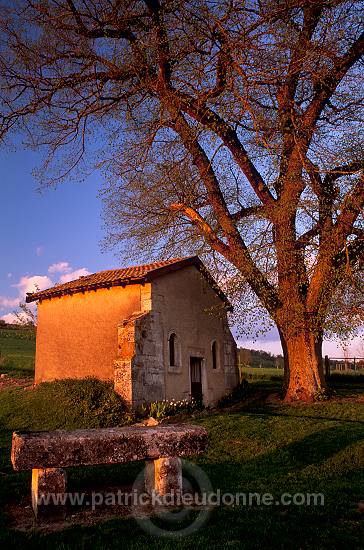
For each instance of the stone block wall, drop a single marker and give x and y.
(139, 367)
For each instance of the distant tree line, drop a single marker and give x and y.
(259, 359)
(24, 331)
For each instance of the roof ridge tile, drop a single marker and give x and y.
(109, 277)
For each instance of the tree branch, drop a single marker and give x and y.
(351, 208)
(100, 32)
(315, 177)
(212, 121)
(156, 12)
(248, 211)
(223, 58)
(344, 170)
(286, 92)
(353, 252)
(335, 250)
(324, 89)
(198, 109)
(203, 227)
(237, 252)
(306, 237)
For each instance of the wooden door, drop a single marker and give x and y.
(196, 381)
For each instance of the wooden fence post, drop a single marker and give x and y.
(327, 367)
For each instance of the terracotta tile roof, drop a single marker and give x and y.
(122, 277)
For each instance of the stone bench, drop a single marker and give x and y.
(47, 453)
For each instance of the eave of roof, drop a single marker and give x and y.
(152, 271)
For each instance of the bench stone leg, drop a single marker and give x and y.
(164, 476)
(48, 481)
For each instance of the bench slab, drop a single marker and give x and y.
(62, 449)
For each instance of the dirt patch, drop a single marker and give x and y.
(8, 382)
(19, 515)
(274, 398)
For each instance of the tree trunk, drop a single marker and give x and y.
(303, 356)
(285, 361)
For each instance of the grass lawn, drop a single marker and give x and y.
(256, 373)
(260, 446)
(18, 354)
(264, 447)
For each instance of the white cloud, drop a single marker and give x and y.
(39, 250)
(10, 318)
(60, 267)
(26, 284)
(332, 348)
(6, 302)
(9, 275)
(73, 275)
(32, 284)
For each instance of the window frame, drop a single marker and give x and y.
(215, 357)
(173, 350)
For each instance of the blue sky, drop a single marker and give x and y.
(54, 236)
(41, 229)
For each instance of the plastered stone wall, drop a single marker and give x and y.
(77, 335)
(187, 305)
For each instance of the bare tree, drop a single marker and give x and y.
(229, 127)
(26, 316)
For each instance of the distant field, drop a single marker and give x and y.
(256, 373)
(17, 355)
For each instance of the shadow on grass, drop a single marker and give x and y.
(313, 450)
(304, 452)
(262, 412)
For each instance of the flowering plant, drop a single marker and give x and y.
(162, 409)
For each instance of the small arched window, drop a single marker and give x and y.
(214, 354)
(172, 345)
